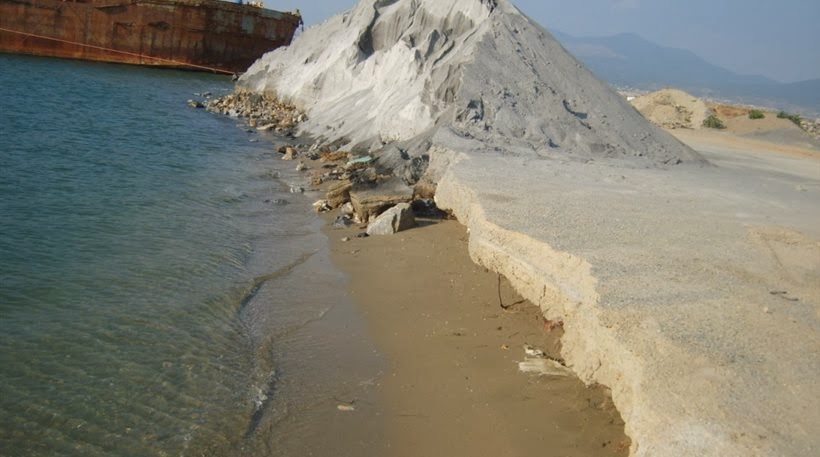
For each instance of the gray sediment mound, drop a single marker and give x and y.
(666, 277)
(466, 74)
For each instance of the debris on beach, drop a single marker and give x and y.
(321, 206)
(263, 111)
(343, 222)
(394, 220)
(538, 362)
(339, 193)
(534, 352)
(290, 154)
(543, 367)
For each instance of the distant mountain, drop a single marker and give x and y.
(628, 60)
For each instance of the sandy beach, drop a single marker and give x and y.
(452, 385)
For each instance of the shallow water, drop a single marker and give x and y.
(161, 291)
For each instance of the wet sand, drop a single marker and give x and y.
(452, 385)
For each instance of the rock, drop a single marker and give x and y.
(367, 175)
(370, 202)
(297, 190)
(394, 220)
(290, 153)
(415, 169)
(265, 110)
(339, 193)
(301, 166)
(425, 188)
(391, 158)
(347, 209)
(342, 222)
(428, 208)
(333, 156)
(397, 161)
(321, 206)
(195, 104)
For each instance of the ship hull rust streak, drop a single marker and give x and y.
(191, 34)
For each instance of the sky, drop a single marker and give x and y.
(779, 39)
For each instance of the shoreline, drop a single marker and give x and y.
(453, 386)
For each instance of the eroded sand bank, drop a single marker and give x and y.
(692, 293)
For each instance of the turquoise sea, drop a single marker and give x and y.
(161, 290)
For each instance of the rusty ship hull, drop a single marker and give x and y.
(208, 35)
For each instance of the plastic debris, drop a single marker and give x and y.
(360, 160)
(543, 367)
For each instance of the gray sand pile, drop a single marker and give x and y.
(672, 109)
(478, 70)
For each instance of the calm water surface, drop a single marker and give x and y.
(161, 291)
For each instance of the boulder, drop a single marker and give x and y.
(321, 206)
(347, 209)
(342, 222)
(372, 201)
(394, 220)
(290, 153)
(339, 193)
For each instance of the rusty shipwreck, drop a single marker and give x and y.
(208, 35)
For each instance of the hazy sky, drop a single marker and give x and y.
(775, 38)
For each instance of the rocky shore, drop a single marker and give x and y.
(361, 185)
(262, 111)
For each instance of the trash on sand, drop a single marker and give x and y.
(346, 408)
(534, 352)
(543, 367)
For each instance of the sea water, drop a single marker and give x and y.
(162, 292)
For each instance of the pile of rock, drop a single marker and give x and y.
(812, 127)
(365, 191)
(263, 111)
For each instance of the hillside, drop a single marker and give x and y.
(628, 60)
